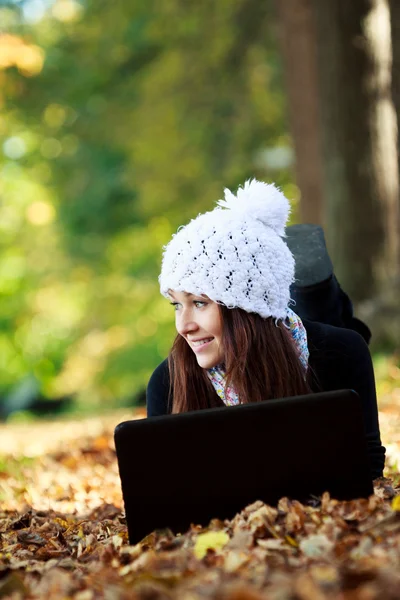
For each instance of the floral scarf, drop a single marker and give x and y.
(299, 335)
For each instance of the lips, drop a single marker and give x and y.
(198, 345)
(200, 342)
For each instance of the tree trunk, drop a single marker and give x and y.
(297, 36)
(384, 132)
(358, 145)
(395, 35)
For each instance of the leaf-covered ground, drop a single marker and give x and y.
(63, 532)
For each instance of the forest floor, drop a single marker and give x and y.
(63, 532)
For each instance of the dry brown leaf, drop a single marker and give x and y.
(63, 534)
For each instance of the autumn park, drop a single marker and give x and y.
(119, 122)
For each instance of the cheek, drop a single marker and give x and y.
(218, 330)
(216, 324)
(218, 336)
(178, 323)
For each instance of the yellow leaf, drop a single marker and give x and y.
(396, 503)
(291, 541)
(214, 540)
(62, 522)
(71, 462)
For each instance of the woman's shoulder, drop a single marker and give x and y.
(160, 373)
(328, 338)
(339, 356)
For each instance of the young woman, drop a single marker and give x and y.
(228, 275)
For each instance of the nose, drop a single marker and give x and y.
(185, 323)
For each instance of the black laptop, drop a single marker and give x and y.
(190, 468)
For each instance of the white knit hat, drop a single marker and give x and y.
(235, 253)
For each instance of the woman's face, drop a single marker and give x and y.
(198, 320)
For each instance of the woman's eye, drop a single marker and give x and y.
(199, 303)
(175, 305)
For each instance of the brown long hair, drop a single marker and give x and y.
(261, 362)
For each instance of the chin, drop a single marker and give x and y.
(207, 363)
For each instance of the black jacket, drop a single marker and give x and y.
(339, 359)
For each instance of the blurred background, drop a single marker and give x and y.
(121, 120)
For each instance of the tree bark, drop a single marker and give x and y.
(394, 6)
(384, 134)
(395, 36)
(359, 156)
(298, 43)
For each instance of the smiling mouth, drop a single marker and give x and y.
(200, 343)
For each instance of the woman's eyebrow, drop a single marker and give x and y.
(187, 295)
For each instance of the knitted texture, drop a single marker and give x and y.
(235, 253)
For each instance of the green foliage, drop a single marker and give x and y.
(120, 122)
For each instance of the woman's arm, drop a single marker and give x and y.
(361, 378)
(341, 360)
(157, 393)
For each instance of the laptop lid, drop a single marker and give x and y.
(190, 468)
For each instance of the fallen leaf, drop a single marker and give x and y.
(63, 534)
(11, 584)
(29, 537)
(211, 540)
(396, 504)
(316, 546)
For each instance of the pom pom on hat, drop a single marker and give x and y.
(259, 200)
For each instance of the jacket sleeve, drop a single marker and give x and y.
(341, 359)
(360, 374)
(158, 392)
